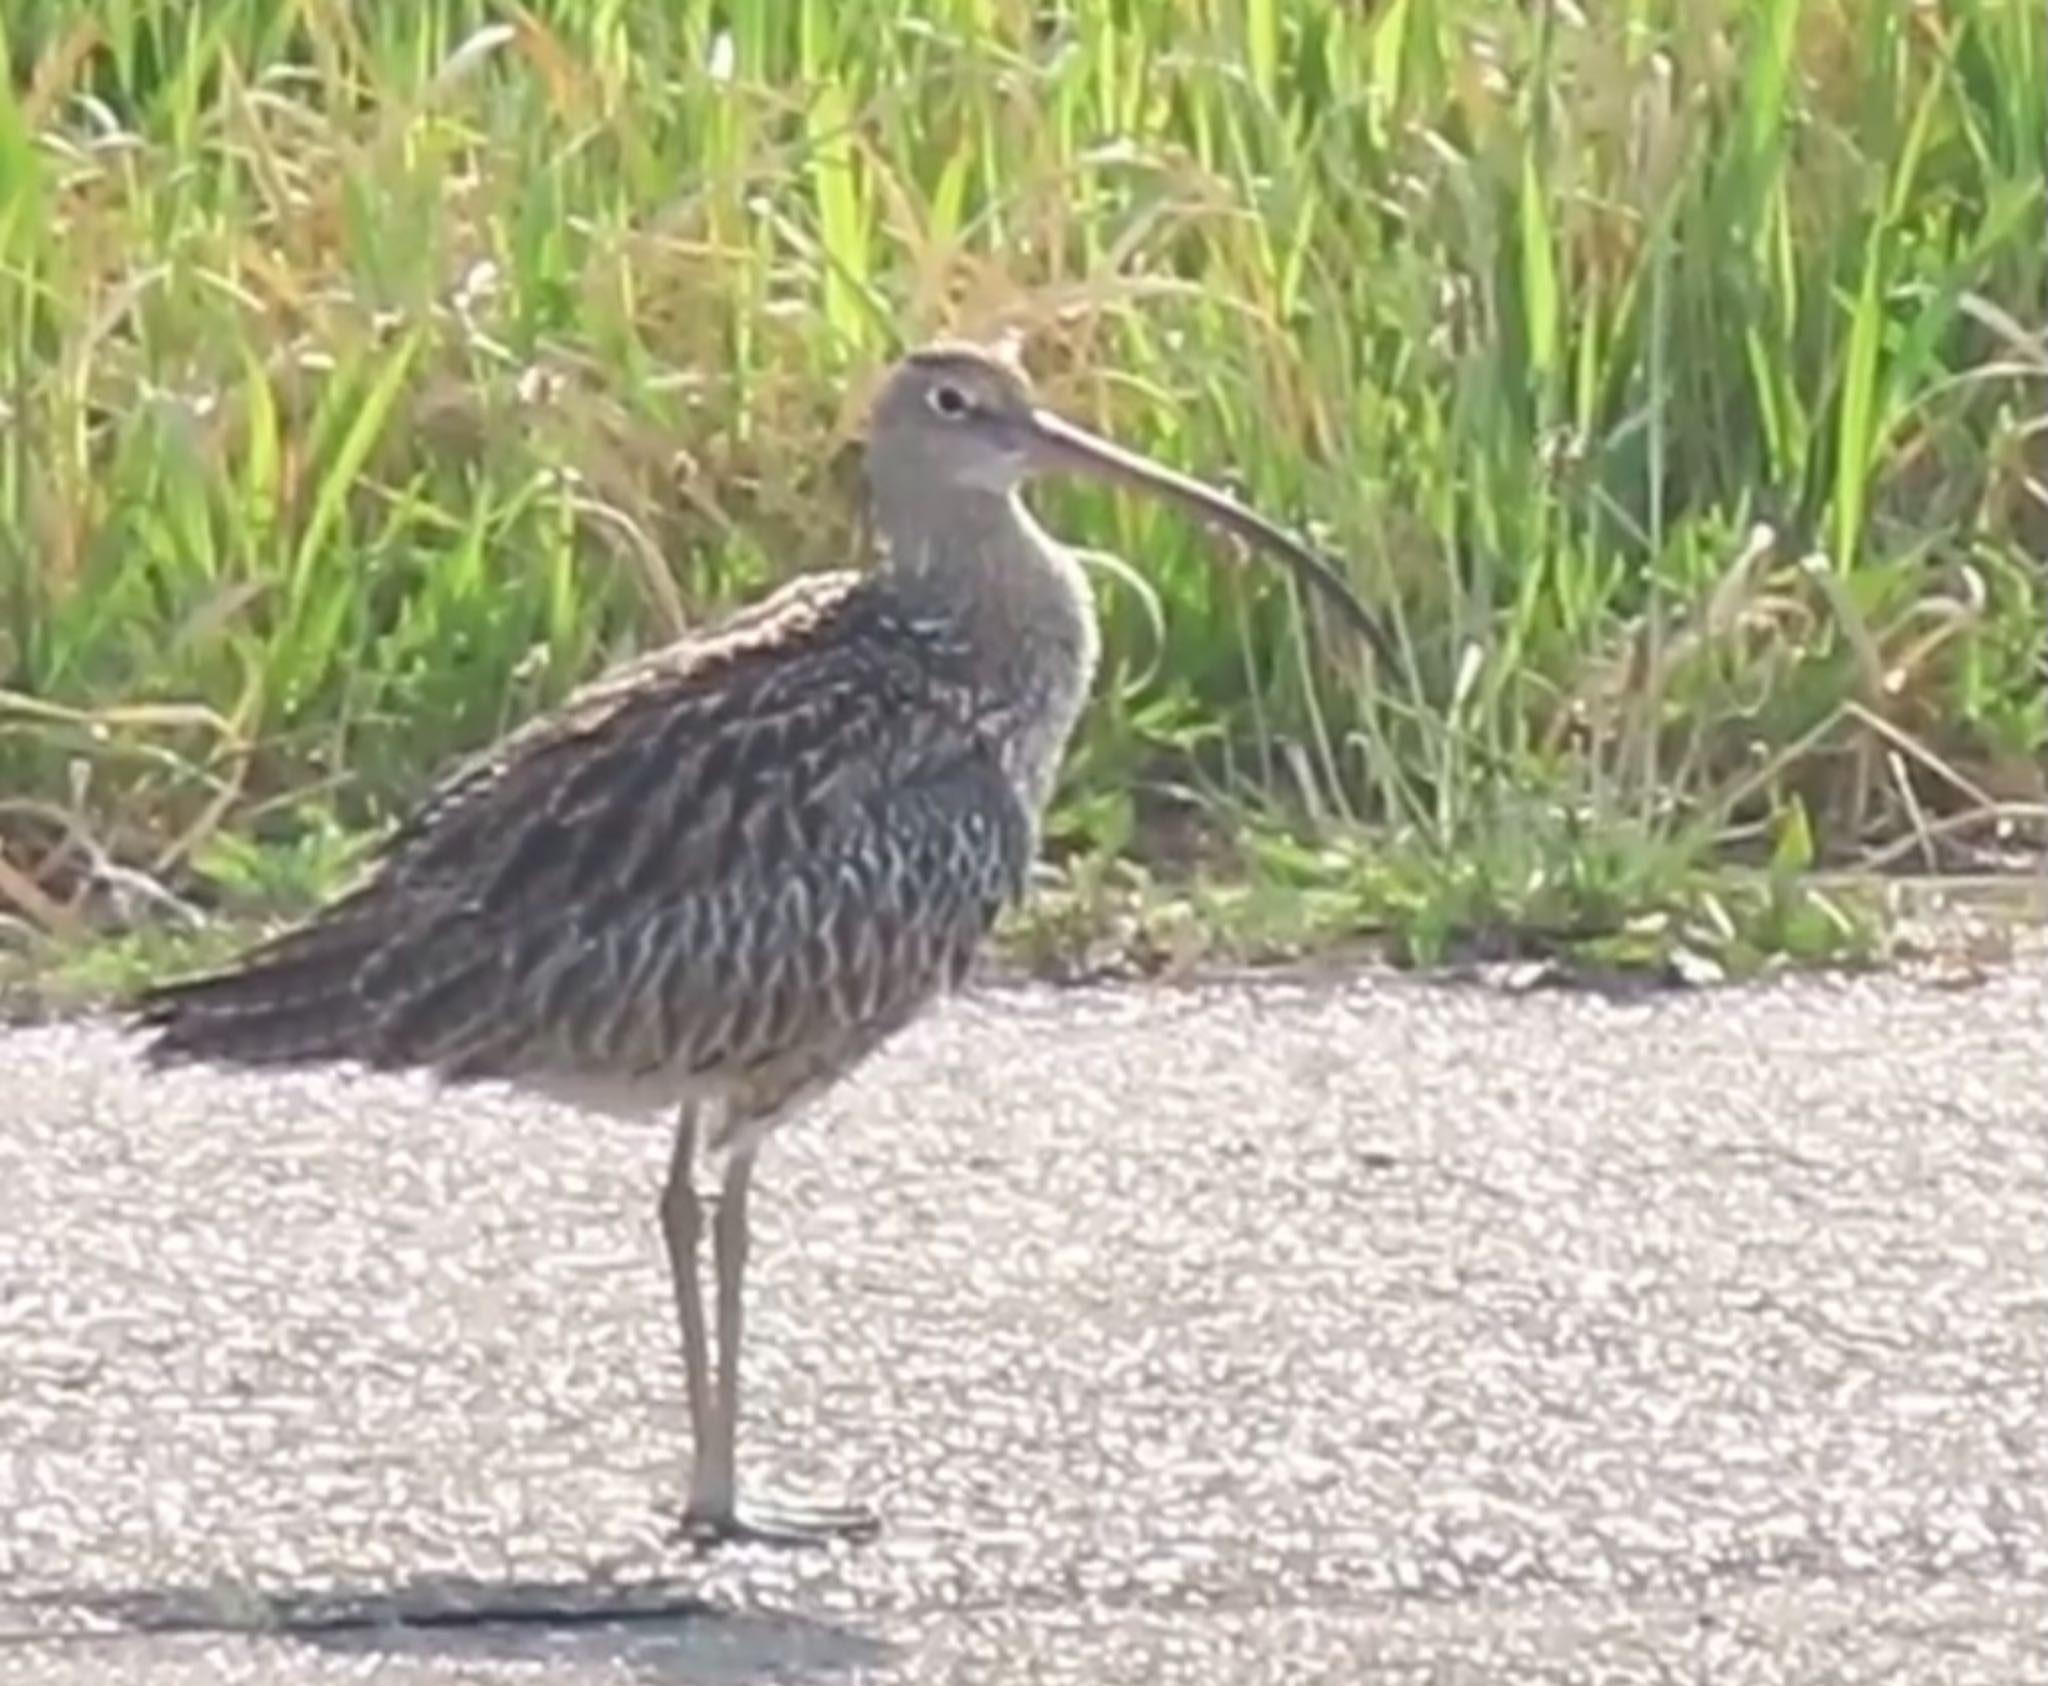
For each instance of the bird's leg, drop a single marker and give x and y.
(717, 1463)
(682, 1226)
(712, 1515)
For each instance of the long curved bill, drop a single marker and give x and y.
(1056, 444)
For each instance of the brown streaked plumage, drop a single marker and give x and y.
(722, 874)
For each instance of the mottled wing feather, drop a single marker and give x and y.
(820, 952)
(712, 706)
(778, 838)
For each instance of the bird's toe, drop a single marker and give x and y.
(786, 1526)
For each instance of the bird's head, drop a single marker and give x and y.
(954, 420)
(953, 417)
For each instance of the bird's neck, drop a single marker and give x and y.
(1015, 596)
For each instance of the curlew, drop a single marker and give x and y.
(722, 874)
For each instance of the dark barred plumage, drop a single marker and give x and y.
(719, 876)
(725, 860)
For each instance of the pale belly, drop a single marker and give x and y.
(738, 1109)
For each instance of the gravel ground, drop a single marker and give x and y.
(1250, 1330)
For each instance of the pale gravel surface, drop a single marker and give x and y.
(1276, 1331)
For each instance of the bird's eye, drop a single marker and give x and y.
(949, 401)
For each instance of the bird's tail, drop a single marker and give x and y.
(292, 1001)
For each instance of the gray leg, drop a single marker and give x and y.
(712, 1515)
(682, 1224)
(729, 1253)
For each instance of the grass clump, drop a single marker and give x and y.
(1672, 377)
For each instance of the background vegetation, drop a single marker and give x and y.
(1671, 375)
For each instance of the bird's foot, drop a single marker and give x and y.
(779, 1525)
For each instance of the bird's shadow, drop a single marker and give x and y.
(660, 1630)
